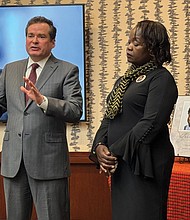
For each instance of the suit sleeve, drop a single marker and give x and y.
(70, 106)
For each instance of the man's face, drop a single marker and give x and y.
(38, 41)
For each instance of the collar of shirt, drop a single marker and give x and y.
(41, 64)
(187, 127)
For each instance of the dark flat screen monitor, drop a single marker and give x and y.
(70, 46)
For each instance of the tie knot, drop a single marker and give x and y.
(34, 66)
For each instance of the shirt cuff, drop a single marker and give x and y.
(44, 104)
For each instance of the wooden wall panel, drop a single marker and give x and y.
(2, 201)
(89, 191)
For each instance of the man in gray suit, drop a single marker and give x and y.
(35, 160)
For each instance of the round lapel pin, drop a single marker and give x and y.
(141, 78)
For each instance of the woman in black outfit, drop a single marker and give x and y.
(132, 144)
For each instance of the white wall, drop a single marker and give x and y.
(2, 128)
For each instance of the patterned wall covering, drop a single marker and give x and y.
(107, 27)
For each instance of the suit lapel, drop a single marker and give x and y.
(47, 71)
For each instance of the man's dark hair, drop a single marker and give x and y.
(41, 19)
(188, 111)
(156, 40)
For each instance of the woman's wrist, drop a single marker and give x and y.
(98, 144)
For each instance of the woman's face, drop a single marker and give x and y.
(137, 53)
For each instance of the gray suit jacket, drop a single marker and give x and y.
(38, 137)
